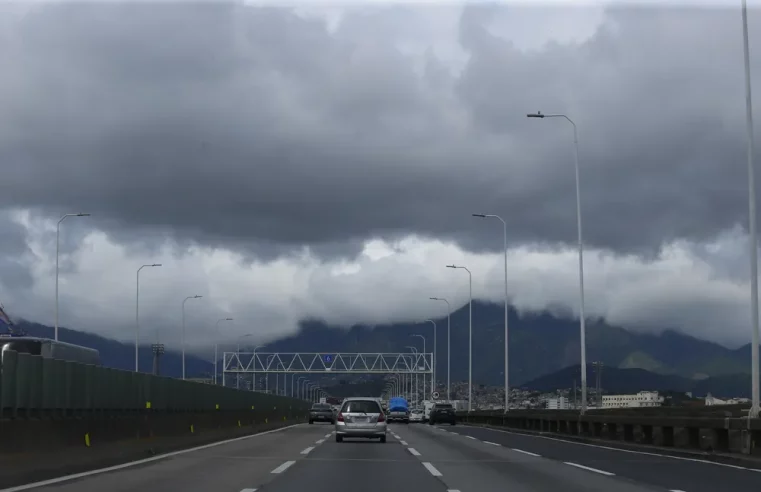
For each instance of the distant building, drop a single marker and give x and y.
(641, 399)
(710, 400)
(560, 403)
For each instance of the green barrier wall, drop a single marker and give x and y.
(31, 386)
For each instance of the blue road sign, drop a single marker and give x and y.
(327, 359)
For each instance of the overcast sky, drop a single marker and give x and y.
(323, 161)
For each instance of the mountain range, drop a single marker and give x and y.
(540, 344)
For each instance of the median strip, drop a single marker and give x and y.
(601, 472)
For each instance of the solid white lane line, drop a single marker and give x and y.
(601, 472)
(319, 441)
(307, 450)
(404, 443)
(75, 476)
(248, 490)
(470, 437)
(283, 467)
(432, 469)
(492, 443)
(676, 490)
(621, 450)
(453, 490)
(413, 451)
(526, 452)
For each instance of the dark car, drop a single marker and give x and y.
(321, 412)
(442, 413)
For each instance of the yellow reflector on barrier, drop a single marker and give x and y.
(191, 429)
(148, 404)
(87, 440)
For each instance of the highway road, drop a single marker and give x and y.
(416, 458)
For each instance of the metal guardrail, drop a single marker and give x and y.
(704, 429)
(33, 386)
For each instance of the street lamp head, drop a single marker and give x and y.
(483, 216)
(197, 297)
(156, 265)
(228, 319)
(434, 298)
(83, 215)
(451, 266)
(538, 114)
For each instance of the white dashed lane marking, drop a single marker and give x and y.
(470, 437)
(432, 469)
(248, 490)
(404, 443)
(601, 472)
(413, 451)
(319, 441)
(492, 443)
(283, 467)
(307, 450)
(525, 452)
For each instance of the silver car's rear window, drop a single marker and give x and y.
(361, 406)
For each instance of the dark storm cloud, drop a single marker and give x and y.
(258, 129)
(14, 251)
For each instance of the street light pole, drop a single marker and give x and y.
(424, 352)
(507, 365)
(216, 349)
(470, 337)
(582, 325)
(183, 331)
(417, 387)
(137, 312)
(449, 343)
(253, 365)
(754, 409)
(57, 250)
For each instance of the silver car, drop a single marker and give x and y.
(361, 417)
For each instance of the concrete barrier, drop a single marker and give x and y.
(58, 418)
(714, 431)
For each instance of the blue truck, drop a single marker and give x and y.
(398, 410)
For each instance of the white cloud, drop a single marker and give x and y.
(386, 283)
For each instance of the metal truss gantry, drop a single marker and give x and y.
(328, 362)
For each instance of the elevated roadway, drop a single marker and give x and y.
(419, 458)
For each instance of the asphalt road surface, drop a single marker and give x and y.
(416, 458)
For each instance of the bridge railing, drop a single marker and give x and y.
(33, 386)
(711, 429)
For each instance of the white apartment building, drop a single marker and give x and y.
(560, 403)
(641, 399)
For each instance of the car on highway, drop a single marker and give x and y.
(361, 417)
(321, 412)
(442, 413)
(416, 415)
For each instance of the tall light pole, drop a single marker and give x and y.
(754, 409)
(57, 250)
(183, 331)
(582, 325)
(216, 349)
(449, 342)
(417, 386)
(470, 336)
(424, 352)
(137, 312)
(507, 366)
(298, 385)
